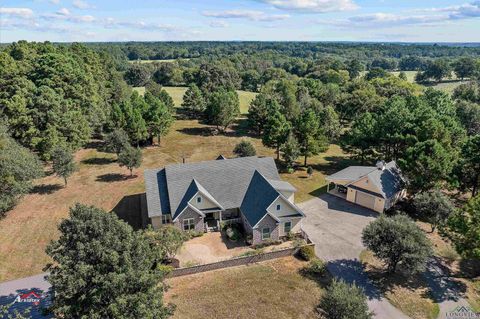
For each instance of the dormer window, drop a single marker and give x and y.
(199, 199)
(279, 207)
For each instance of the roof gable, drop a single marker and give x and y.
(389, 181)
(259, 196)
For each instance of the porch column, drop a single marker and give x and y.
(220, 215)
(328, 186)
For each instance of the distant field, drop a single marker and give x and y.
(177, 92)
(410, 75)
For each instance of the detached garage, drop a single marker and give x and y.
(377, 188)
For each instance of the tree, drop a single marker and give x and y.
(465, 67)
(138, 74)
(344, 301)
(116, 141)
(427, 163)
(464, 227)
(259, 111)
(167, 100)
(437, 70)
(131, 158)
(434, 207)
(276, 131)
(309, 171)
(244, 149)
(18, 168)
(193, 101)
(63, 163)
(354, 68)
(158, 117)
(467, 170)
(16, 314)
(310, 135)
(362, 137)
(103, 269)
(402, 75)
(290, 150)
(397, 241)
(165, 241)
(376, 73)
(223, 108)
(469, 115)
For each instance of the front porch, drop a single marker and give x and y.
(215, 219)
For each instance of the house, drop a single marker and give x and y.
(375, 187)
(200, 196)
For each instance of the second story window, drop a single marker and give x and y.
(279, 207)
(199, 199)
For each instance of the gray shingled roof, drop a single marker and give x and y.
(282, 186)
(191, 191)
(351, 173)
(226, 180)
(389, 181)
(260, 194)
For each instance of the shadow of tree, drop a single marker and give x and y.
(443, 286)
(98, 161)
(470, 268)
(29, 309)
(319, 191)
(132, 210)
(334, 164)
(44, 189)
(352, 271)
(111, 177)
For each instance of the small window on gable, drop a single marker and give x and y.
(279, 207)
(199, 199)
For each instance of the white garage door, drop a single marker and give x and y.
(365, 200)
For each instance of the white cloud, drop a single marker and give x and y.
(246, 14)
(17, 12)
(219, 24)
(55, 1)
(63, 12)
(429, 17)
(313, 6)
(80, 4)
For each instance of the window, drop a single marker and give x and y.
(199, 199)
(265, 233)
(287, 227)
(165, 219)
(188, 224)
(279, 207)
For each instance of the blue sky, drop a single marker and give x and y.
(276, 20)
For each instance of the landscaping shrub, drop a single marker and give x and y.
(306, 253)
(233, 234)
(193, 233)
(316, 267)
(344, 301)
(268, 242)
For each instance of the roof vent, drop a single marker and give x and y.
(380, 165)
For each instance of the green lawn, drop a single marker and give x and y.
(177, 92)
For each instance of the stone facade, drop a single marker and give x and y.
(269, 222)
(190, 213)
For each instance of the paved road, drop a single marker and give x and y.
(446, 291)
(335, 226)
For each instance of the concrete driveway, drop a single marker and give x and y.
(335, 226)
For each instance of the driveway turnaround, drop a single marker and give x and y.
(335, 226)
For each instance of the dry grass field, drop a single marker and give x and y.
(99, 181)
(177, 92)
(273, 289)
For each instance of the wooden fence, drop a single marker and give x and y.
(238, 261)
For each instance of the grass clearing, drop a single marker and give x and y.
(155, 61)
(177, 92)
(99, 181)
(272, 289)
(409, 294)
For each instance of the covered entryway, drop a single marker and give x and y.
(365, 200)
